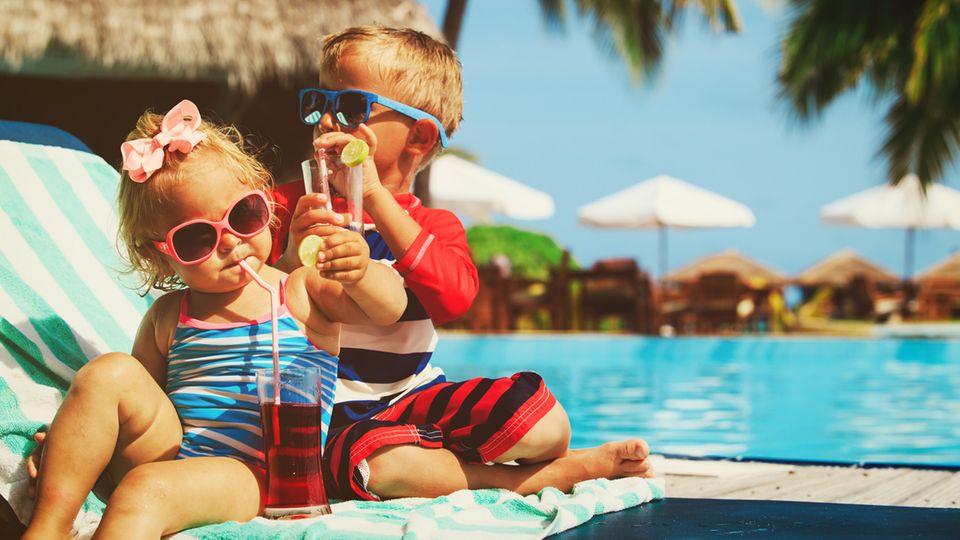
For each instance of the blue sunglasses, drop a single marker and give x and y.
(352, 108)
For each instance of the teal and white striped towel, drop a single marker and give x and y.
(62, 302)
(480, 514)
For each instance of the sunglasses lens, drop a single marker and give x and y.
(195, 241)
(311, 107)
(352, 109)
(250, 215)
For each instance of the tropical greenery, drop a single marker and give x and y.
(908, 52)
(635, 29)
(531, 254)
(631, 29)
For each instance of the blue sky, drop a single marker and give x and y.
(557, 113)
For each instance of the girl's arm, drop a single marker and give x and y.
(152, 342)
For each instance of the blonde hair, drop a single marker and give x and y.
(421, 71)
(141, 203)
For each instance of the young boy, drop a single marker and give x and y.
(399, 428)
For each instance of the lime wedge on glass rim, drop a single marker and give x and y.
(308, 249)
(354, 152)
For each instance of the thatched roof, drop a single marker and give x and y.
(749, 271)
(837, 270)
(241, 41)
(948, 268)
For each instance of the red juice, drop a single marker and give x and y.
(291, 437)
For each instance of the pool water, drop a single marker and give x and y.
(878, 401)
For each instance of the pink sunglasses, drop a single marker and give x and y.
(193, 241)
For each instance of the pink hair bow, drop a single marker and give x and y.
(178, 131)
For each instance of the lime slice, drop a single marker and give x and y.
(309, 248)
(354, 152)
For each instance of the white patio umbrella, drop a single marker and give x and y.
(903, 206)
(661, 202)
(467, 188)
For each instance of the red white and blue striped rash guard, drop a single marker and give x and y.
(211, 380)
(381, 364)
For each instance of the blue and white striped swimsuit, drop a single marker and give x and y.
(211, 380)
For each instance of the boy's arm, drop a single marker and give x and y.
(347, 288)
(432, 256)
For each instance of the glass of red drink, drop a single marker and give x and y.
(292, 439)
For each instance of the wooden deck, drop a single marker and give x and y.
(809, 483)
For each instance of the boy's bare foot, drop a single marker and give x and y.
(613, 460)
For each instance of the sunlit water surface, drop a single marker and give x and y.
(888, 401)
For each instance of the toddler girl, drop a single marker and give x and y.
(174, 427)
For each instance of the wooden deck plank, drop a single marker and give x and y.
(903, 492)
(945, 494)
(854, 481)
(816, 483)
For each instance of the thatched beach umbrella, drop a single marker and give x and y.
(839, 268)
(91, 67)
(944, 269)
(243, 43)
(748, 270)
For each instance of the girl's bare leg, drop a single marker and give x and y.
(114, 410)
(164, 497)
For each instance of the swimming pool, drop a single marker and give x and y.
(877, 401)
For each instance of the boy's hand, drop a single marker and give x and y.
(344, 256)
(334, 141)
(309, 217)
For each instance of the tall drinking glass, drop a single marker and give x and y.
(292, 442)
(320, 174)
(328, 175)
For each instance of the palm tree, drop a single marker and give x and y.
(635, 29)
(631, 29)
(909, 54)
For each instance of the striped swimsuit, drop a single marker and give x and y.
(379, 365)
(211, 380)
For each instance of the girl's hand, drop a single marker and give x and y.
(33, 462)
(309, 217)
(334, 141)
(344, 256)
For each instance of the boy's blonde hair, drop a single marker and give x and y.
(421, 71)
(140, 203)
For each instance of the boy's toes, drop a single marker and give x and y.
(638, 468)
(633, 450)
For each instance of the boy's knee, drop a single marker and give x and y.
(111, 370)
(394, 470)
(548, 439)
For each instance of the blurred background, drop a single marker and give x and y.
(749, 118)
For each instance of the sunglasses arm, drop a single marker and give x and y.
(161, 247)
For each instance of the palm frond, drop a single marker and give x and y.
(922, 137)
(635, 29)
(831, 45)
(936, 48)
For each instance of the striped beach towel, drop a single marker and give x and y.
(63, 301)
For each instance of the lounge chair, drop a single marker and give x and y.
(617, 287)
(715, 302)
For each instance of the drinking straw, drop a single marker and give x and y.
(307, 177)
(324, 173)
(355, 198)
(324, 177)
(274, 330)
